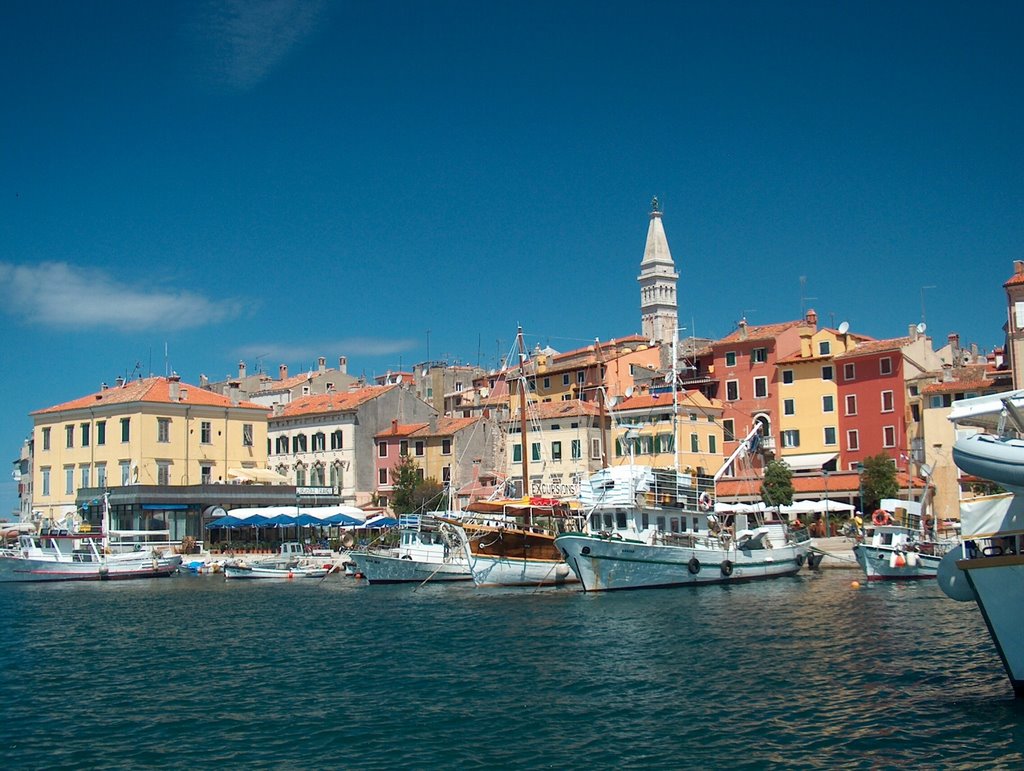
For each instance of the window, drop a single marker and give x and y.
(84, 476)
(101, 474)
(163, 473)
(69, 432)
(556, 451)
(46, 438)
(851, 404)
(247, 436)
(885, 366)
(85, 437)
(446, 446)
(319, 441)
(729, 430)
(206, 432)
(336, 440)
(828, 403)
(713, 444)
(126, 472)
(69, 480)
(581, 376)
(666, 443)
(517, 453)
(824, 347)
(565, 379)
(317, 475)
(759, 355)
(299, 443)
(403, 447)
(45, 473)
(281, 445)
(787, 377)
(382, 450)
(830, 436)
(595, 449)
(789, 406)
(694, 443)
(827, 372)
(535, 450)
(547, 383)
(887, 403)
(732, 390)
(888, 436)
(730, 358)
(382, 476)
(336, 475)
(575, 449)
(163, 430)
(420, 473)
(300, 476)
(205, 474)
(419, 448)
(791, 438)
(446, 474)
(126, 434)
(760, 387)
(849, 372)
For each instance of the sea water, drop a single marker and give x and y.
(197, 672)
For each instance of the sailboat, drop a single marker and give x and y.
(511, 542)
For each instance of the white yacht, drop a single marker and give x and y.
(425, 552)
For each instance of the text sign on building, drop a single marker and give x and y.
(313, 492)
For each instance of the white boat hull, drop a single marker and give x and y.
(884, 563)
(510, 571)
(16, 569)
(251, 572)
(990, 457)
(383, 569)
(998, 585)
(609, 564)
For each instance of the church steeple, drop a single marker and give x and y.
(659, 312)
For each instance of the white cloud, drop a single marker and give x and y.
(241, 41)
(352, 346)
(57, 294)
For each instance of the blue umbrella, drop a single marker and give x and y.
(224, 522)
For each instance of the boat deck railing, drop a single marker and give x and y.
(1001, 545)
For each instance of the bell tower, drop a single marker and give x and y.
(659, 313)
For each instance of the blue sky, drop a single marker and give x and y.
(284, 180)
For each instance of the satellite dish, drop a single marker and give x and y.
(926, 470)
(613, 400)
(844, 327)
(921, 328)
(629, 392)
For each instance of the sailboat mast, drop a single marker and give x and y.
(522, 415)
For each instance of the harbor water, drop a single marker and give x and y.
(197, 672)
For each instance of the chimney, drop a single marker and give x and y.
(174, 387)
(119, 382)
(233, 388)
(282, 372)
(241, 370)
(954, 346)
(947, 373)
(812, 317)
(204, 381)
(912, 331)
(103, 386)
(322, 364)
(343, 364)
(394, 426)
(743, 329)
(1018, 267)
(278, 409)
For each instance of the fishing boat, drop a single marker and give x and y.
(290, 562)
(900, 543)
(652, 528)
(988, 567)
(77, 552)
(425, 552)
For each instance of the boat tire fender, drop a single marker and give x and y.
(406, 557)
(799, 560)
(693, 566)
(726, 568)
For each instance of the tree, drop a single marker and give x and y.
(411, 493)
(777, 485)
(877, 481)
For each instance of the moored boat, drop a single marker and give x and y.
(901, 544)
(425, 552)
(64, 555)
(291, 561)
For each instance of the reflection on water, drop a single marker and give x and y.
(195, 670)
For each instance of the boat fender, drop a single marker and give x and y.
(726, 568)
(879, 517)
(693, 565)
(406, 557)
(799, 560)
(705, 502)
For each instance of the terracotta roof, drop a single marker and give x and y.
(839, 484)
(150, 390)
(804, 359)
(401, 429)
(756, 333)
(561, 409)
(965, 379)
(1016, 279)
(449, 426)
(648, 401)
(338, 401)
(876, 346)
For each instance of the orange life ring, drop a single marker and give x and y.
(880, 517)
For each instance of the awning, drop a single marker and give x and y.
(810, 461)
(261, 475)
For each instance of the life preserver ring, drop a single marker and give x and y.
(726, 568)
(705, 502)
(880, 517)
(799, 560)
(693, 566)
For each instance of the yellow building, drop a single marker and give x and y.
(808, 399)
(153, 431)
(644, 424)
